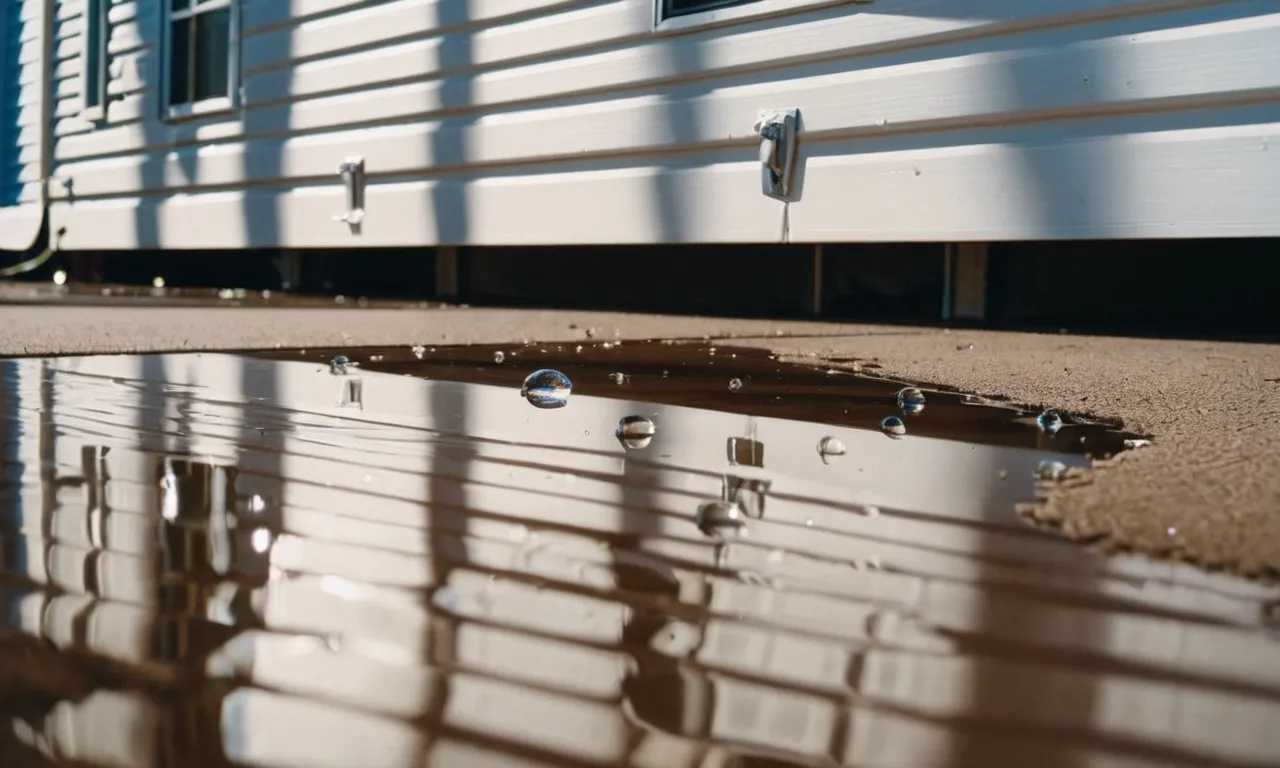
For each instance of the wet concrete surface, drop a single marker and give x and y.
(212, 560)
(1212, 474)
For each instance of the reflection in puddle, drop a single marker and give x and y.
(194, 575)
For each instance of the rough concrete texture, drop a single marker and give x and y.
(1207, 490)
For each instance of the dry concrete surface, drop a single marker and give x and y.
(1206, 491)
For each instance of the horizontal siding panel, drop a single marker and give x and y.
(719, 202)
(1124, 182)
(955, 92)
(472, 108)
(640, 66)
(278, 12)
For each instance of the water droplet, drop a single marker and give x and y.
(546, 388)
(1171, 531)
(719, 518)
(830, 449)
(418, 351)
(340, 365)
(893, 426)
(910, 400)
(1050, 470)
(618, 378)
(735, 385)
(635, 432)
(1049, 421)
(60, 277)
(260, 539)
(499, 356)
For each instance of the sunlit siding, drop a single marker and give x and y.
(21, 138)
(563, 121)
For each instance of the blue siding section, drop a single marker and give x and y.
(11, 29)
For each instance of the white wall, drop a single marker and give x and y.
(22, 137)
(572, 121)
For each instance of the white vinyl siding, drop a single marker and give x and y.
(568, 121)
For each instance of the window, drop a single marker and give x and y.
(202, 60)
(95, 66)
(671, 8)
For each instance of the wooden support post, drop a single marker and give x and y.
(964, 292)
(290, 268)
(815, 297)
(446, 272)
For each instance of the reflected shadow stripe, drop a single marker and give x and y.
(447, 403)
(987, 687)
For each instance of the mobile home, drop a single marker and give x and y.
(177, 124)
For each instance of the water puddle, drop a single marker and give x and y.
(399, 560)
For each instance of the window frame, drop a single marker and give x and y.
(213, 104)
(95, 69)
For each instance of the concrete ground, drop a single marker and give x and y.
(1207, 491)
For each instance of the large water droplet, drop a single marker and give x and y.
(635, 432)
(1050, 470)
(418, 351)
(546, 388)
(340, 365)
(1049, 421)
(910, 400)
(499, 356)
(893, 426)
(735, 385)
(260, 540)
(721, 518)
(830, 449)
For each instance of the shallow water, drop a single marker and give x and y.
(214, 560)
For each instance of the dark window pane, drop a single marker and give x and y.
(213, 44)
(180, 61)
(682, 7)
(95, 52)
(179, 5)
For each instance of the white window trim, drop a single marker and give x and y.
(216, 104)
(102, 28)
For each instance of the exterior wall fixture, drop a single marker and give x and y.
(778, 130)
(352, 172)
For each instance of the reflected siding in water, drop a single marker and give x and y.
(196, 576)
